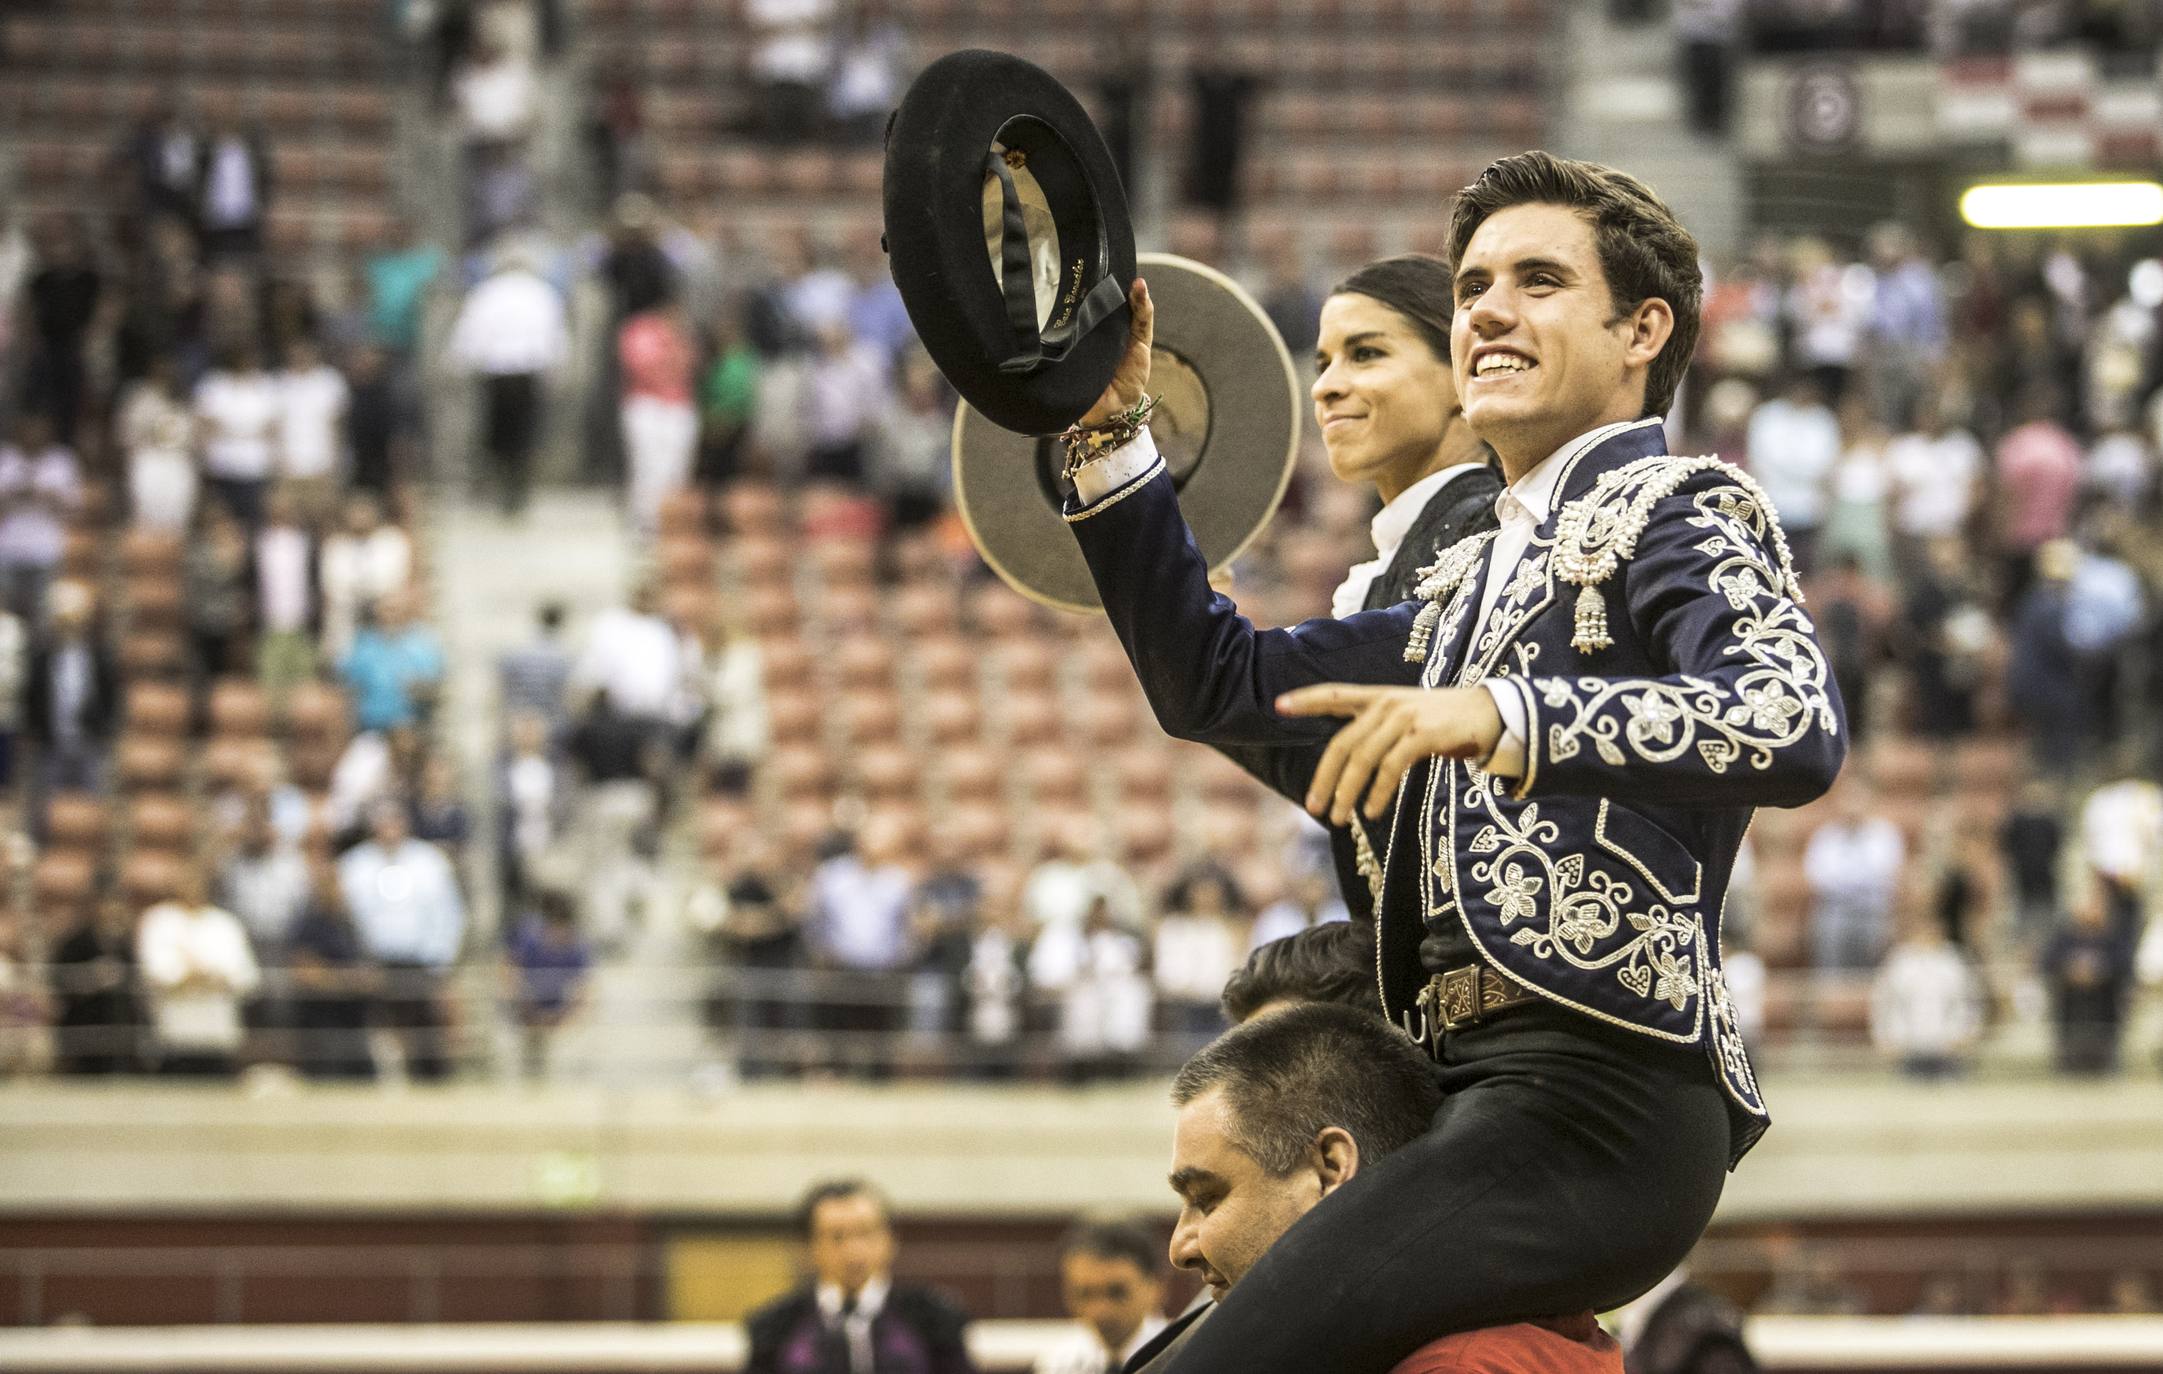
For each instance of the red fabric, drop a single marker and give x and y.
(656, 359)
(1567, 1345)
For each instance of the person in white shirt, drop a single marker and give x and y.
(1200, 940)
(313, 399)
(412, 919)
(197, 966)
(1925, 1003)
(1109, 1278)
(633, 659)
(1853, 865)
(237, 411)
(359, 564)
(510, 333)
(1937, 470)
(1794, 443)
(40, 488)
(157, 432)
(1104, 1009)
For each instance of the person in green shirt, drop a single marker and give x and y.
(727, 399)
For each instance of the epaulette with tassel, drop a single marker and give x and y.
(1598, 532)
(1438, 581)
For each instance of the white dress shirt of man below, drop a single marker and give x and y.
(313, 399)
(411, 918)
(1109, 1279)
(197, 966)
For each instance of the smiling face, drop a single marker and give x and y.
(1382, 399)
(1541, 353)
(1231, 1209)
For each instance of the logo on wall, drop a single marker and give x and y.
(1824, 109)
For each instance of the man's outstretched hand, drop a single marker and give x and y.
(1391, 729)
(1130, 382)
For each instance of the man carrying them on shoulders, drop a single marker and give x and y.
(1278, 1115)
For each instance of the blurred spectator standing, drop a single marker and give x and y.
(1794, 443)
(2043, 681)
(870, 70)
(395, 667)
(380, 424)
(655, 355)
(2121, 836)
(1853, 864)
(2034, 834)
(1707, 33)
(333, 981)
(71, 701)
(159, 160)
(1858, 491)
(1223, 95)
(857, 935)
(2088, 968)
(1925, 1003)
(791, 56)
(1946, 634)
(498, 96)
(285, 564)
(215, 571)
(1937, 471)
(847, 391)
(1907, 325)
(1105, 1008)
(2105, 608)
(405, 903)
(236, 187)
(361, 562)
(265, 883)
(530, 802)
(196, 967)
(63, 294)
(99, 1021)
(1310, 899)
(535, 676)
(510, 333)
(549, 965)
(14, 670)
(996, 984)
(313, 400)
(754, 929)
(157, 439)
(1201, 938)
(728, 397)
(1854, 615)
(616, 130)
(399, 278)
(1827, 309)
(40, 488)
(2038, 471)
(238, 412)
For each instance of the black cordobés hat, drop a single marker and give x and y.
(1008, 236)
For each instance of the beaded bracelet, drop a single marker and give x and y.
(1087, 443)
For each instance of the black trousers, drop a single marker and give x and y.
(511, 423)
(1567, 1169)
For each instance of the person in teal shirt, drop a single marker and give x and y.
(395, 666)
(398, 282)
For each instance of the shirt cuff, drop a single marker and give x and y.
(1099, 479)
(1508, 759)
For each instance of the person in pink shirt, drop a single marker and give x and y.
(2038, 467)
(660, 424)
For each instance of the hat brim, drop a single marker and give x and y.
(1007, 486)
(936, 150)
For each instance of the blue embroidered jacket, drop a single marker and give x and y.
(1671, 682)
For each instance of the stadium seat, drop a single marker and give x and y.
(155, 709)
(239, 709)
(62, 881)
(161, 821)
(75, 820)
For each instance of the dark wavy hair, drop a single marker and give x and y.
(1645, 253)
(1325, 963)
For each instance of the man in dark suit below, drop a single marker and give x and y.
(852, 1318)
(1108, 1277)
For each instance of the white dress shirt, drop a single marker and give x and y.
(856, 1327)
(1085, 1354)
(512, 323)
(1388, 528)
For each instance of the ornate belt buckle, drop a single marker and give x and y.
(1460, 997)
